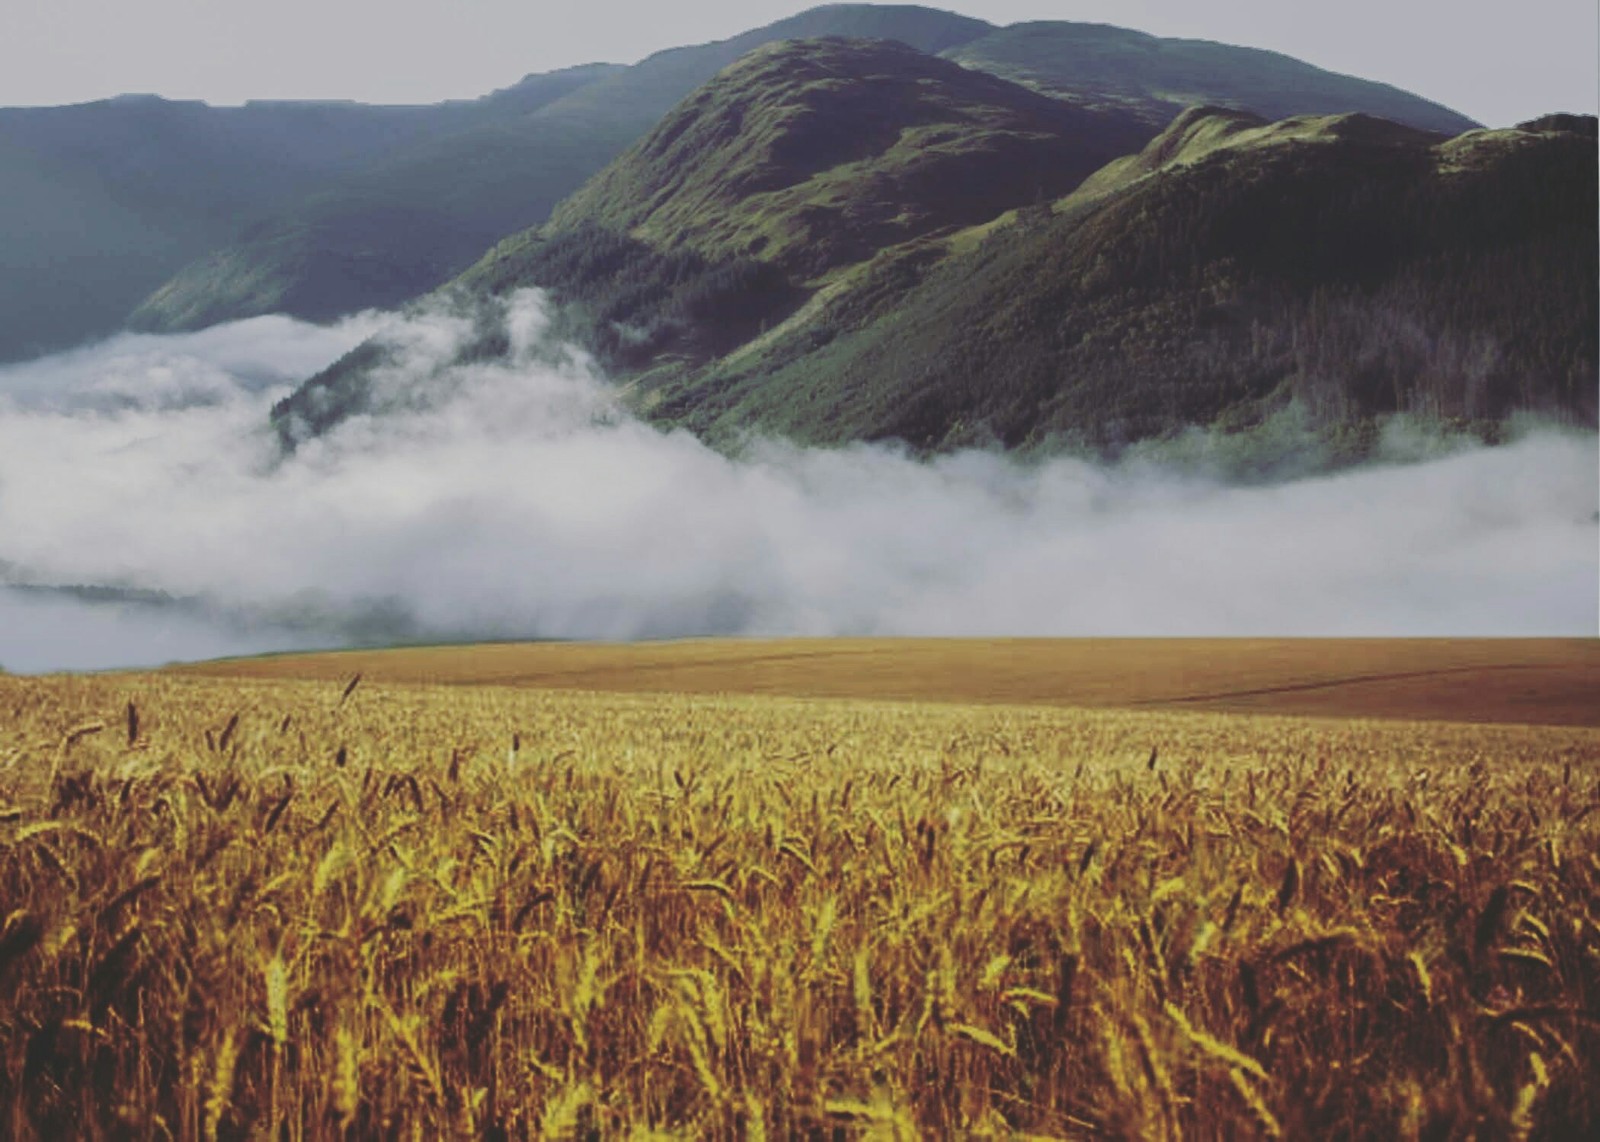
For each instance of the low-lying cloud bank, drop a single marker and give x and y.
(521, 501)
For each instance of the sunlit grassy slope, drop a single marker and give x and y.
(1537, 681)
(273, 908)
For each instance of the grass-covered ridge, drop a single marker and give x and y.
(838, 240)
(1342, 268)
(406, 221)
(803, 157)
(1327, 271)
(813, 154)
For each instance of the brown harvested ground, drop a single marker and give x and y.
(1527, 681)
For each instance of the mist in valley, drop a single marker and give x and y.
(148, 513)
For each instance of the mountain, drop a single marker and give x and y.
(102, 202)
(402, 226)
(399, 223)
(803, 158)
(812, 154)
(1099, 65)
(99, 202)
(840, 240)
(405, 224)
(1339, 268)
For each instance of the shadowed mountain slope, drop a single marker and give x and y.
(99, 202)
(1334, 270)
(102, 202)
(1339, 268)
(803, 158)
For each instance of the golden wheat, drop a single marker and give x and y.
(306, 910)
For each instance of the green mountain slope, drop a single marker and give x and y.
(812, 154)
(1337, 269)
(1105, 66)
(405, 224)
(390, 232)
(800, 160)
(1342, 266)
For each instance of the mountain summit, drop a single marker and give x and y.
(839, 240)
(402, 222)
(814, 153)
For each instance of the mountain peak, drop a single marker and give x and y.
(811, 152)
(1097, 64)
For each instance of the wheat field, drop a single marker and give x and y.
(1542, 681)
(343, 909)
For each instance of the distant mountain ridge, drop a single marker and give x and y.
(740, 268)
(100, 203)
(1101, 65)
(321, 209)
(399, 228)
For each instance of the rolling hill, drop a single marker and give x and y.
(844, 240)
(402, 225)
(1519, 681)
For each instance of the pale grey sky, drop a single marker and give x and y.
(1498, 62)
